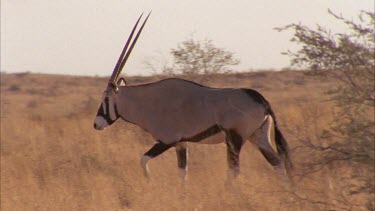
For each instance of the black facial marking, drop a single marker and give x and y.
(106, 116)
(234, 144)
(106, 101)
(204, 134)
(182, 157)
(100, 111)
(157, 149)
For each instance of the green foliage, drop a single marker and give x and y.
(195, 57)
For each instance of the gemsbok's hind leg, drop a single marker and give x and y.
(156, 150)
(267, 146)
(234, 144)
(182, 156)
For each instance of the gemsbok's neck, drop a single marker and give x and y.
(133, 104)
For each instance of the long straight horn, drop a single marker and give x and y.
(132, 46)
(116, 70)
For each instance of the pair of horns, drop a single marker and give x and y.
(125, 52)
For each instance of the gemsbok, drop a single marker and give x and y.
(176, 111)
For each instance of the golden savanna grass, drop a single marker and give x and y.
(53, 159)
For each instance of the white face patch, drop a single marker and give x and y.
(100, 123)
(107, 113)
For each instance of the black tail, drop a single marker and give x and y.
(282, 147)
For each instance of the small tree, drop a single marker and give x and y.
(195, 57)
(348, 58)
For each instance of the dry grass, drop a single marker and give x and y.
(53, 159)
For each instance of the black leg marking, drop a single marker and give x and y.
(157, 149)
(181, 157)
(234, 144)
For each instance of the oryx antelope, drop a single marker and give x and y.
(176, 111)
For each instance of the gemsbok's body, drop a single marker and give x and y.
(176, 111)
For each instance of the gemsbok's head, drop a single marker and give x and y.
(108, 110)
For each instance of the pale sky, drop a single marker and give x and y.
(85, 37)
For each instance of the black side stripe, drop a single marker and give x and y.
(202, 135)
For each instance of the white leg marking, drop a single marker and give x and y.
(271, 133)
(182, 173)
(233, 173)
(144, 165)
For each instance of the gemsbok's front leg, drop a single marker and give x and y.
(234, 144)
(156, 150)
(182, 156)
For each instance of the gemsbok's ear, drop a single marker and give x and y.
(121, 82)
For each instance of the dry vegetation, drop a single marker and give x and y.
(53, 159)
